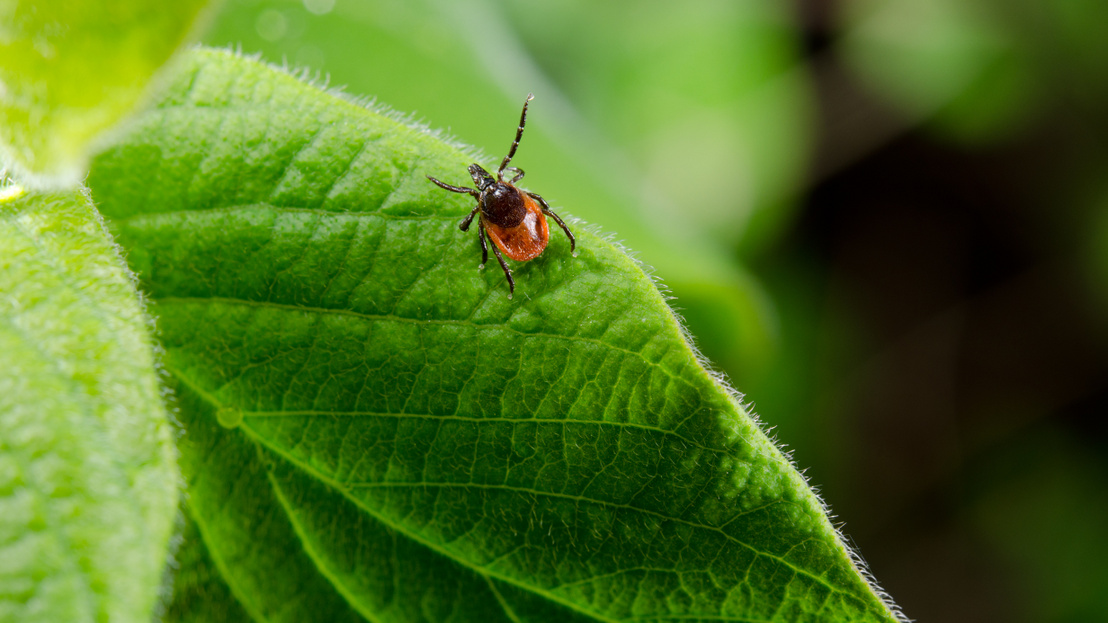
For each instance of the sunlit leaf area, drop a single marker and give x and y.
(829, 343)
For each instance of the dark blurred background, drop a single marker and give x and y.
(885, 221)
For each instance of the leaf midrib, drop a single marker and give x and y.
(320, 211)
(415, 321)
(480, 420)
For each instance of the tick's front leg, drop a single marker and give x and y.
(484, 244)
(455, 189)
(464, 225)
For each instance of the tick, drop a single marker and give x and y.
(515, 219)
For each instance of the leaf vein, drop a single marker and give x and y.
(500, 599)
(539, 493)
(318, 559)
(481, 420)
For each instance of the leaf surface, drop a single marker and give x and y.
(375, 431)
(70, 70)
(88, 482)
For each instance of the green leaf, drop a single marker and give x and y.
(1045, 482)
(88, 482)
(376, 431)
(955, 63)
(70, 70)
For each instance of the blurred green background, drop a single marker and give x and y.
(886, 222)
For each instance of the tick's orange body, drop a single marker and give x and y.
(515, 219)
(526, 240)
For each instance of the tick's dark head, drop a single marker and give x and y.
(481, 177)
(503, 205)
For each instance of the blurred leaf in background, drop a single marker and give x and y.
(978, 71)
(88, 472)
(958, 65)
(71, 70)
(1040, 502)
(88, 477)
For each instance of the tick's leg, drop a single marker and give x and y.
(464, 225)
(507, 271)
(518, 174)
(515, 143)
(484, 244)
(547, 211)
(456, 189)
